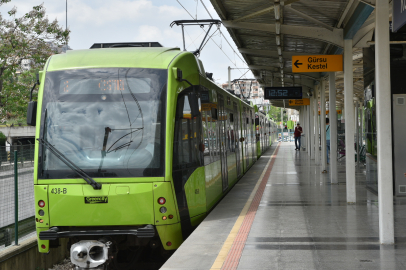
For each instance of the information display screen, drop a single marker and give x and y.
(283, 92)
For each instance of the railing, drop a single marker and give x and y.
(287, 137)
(25, 155)
(16, 197)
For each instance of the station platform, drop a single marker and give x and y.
(285, 214)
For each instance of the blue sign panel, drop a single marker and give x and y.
(398, 14)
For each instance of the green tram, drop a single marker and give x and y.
(134, 146)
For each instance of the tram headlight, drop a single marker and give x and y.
(161, 200)
(163, 209)
(41, 212)
(41, 203)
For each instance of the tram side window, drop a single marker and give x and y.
(206, 137)
(187, 145)
(230, 132)
(211, 135)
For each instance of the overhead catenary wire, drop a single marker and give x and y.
(185, 9)
(208, 12)
(220, 47)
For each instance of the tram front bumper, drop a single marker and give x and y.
(54, 233)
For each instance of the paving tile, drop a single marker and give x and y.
(298, 266)
(303, 222)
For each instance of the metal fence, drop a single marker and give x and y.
(25, 154)
(287, 136)
(16, 196)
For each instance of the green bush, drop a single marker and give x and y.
(3, 139)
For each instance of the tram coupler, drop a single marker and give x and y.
(91, 254)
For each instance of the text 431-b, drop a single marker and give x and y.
(59, 191)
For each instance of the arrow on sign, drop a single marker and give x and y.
(297, 64)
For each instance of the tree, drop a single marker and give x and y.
(29, 39)
(275, 114)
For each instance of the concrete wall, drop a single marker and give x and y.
(26, 131)
(26, 256)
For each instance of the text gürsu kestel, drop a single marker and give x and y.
(317, 63)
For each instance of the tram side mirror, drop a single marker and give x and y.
(194, 104)
(179, 74)
(32, 106)
(32, 113)
(37, 75)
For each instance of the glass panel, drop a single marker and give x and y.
(106, 121)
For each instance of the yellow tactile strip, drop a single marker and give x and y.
(238, 232)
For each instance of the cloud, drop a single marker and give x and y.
(107, 12)
(93, 21)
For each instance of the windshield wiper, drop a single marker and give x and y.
(70, 164)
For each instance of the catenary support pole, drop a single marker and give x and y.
(311, 133)
(317, 127)
(333, 129)
(384, 128)
(349, 122)
(229, 78)
(323, 125)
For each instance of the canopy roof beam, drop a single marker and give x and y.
(270, 53)
(334, 37)
(310, 19)
(261, 12)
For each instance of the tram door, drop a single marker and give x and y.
(253, 138)
(222, 119)
(246, 135)
(237, 137)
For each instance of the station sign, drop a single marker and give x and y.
(317, 63)
(338, 112)
(283, 92)
(398, 14)
(299, 102)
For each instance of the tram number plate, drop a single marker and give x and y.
(59, 191)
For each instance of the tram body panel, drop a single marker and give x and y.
(191, 162)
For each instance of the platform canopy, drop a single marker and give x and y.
(269, 33)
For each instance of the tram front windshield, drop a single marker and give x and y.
(108, 122)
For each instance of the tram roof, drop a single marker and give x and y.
(140, 57)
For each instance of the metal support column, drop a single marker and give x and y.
(308, 145)
(306, 127)
(383, 119)
(317, 127)
(362, 126)
(311, 128)
(333, 128)
(357, 132)
(282, 126)
(301, 120)
(349, 122)
(323, 124)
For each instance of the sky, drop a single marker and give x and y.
(97, 21)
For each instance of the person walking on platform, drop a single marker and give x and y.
(298, 134)
(328, 138)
